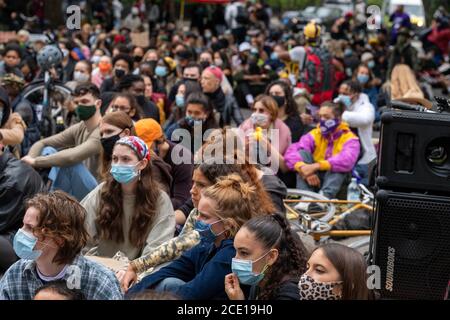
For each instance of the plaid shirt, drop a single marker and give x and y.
(96, 282)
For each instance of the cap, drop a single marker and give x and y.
(245, 46)
(366, 56)
(312, 30)
(148, 130)
(24, 33)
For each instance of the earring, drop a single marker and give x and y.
(139, 173)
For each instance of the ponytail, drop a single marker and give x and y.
(273, 231)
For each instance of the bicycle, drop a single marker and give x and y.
(320, 225)
(48, 95)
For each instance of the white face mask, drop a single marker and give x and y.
(80, 77)
(259, 119)
(95, 59)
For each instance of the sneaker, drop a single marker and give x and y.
(316, 207)
(303, 206)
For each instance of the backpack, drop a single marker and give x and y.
(242, 16)
(318, 75)
(32, 133)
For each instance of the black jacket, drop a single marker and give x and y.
(4, 98)
(277, 191)
(108, 85)
(287, 290)
(227, 106)
(182, 176)
(150, 110)
(231, 111)
(18, 182)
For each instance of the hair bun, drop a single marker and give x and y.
(236, 182)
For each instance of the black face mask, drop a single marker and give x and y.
(186, 80)
(108, 144)
(141, 100)
(204, 64)
(152, 64)
(137, 59)
(119, 73)
(279, 100)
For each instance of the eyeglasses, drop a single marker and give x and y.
(125, 109)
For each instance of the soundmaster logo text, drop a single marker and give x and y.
(390, 269)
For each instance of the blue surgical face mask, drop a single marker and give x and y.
(192, 122)
(371, 64)
(348, 52)
(347, 100)
(24, 244)
(204, 229)
(123, 173)
(161, 71)
(363, 78)
(274, 56)
(243, 269)
(179, 101)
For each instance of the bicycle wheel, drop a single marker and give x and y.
(331, 209)
(58, 96)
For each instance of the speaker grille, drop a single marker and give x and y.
(421, 116)
(414, 234)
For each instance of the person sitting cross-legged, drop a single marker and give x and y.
(324, 156)
(73, 154)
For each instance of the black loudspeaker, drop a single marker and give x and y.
(411, 245)
(415, 152)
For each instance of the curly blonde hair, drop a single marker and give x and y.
(234, 201)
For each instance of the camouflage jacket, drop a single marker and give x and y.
(172, 249)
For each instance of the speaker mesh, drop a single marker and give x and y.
(417, 227)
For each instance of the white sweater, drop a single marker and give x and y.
(160, 231)
(361, 116)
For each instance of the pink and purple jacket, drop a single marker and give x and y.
(337, 153)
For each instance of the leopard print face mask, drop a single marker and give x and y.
(312, 290)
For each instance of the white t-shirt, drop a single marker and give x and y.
(59, 276)
(298, 54)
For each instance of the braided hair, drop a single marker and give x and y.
(273, 231)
